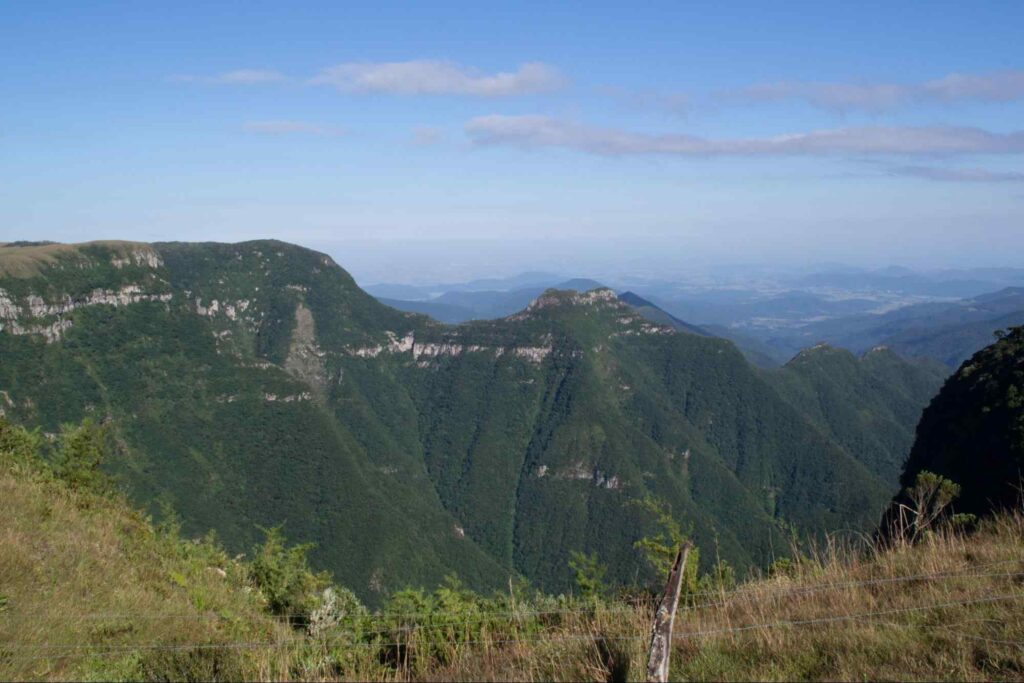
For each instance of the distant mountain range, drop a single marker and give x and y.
(468, 303)
(947, 332)
(943, 315)
(255, 384)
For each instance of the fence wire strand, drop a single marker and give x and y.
(68, 652)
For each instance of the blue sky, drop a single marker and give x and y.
(418, 142)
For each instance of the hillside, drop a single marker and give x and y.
(214, 377)
(88, 585)
(256, 384)
(869, 405)
(658, 315)
(91, 590)
(973, 431)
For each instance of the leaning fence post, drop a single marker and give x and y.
(664, 618)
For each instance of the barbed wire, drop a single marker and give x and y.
(65, 652)
(726, 598)
(440, 623)
(990, 641)
(873, 619)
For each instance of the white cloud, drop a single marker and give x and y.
(958, 175)
(236, 77)
(290, 127)
(433, 77)
(1000, 86)
(542, 131)
(997, 86)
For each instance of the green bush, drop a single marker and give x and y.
(80, 454)
(589, 574)
(283, 576)
(18, 446)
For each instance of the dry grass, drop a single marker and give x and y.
(86, 580)
(869, 618)
(25, 262)
(115, 599)
(951, 608)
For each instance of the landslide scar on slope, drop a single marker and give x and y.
(305, 358)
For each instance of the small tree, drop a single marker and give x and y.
(337, 605)
(283, 576)
(589, 574)
(80, 454)
(661, 548)
(929, 497)
(722, 577)
(18, 446)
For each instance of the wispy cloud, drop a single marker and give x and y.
(958, 175)
(291, 127)
(996, 86)
(236, 77)
(542, 131)
(433, 77)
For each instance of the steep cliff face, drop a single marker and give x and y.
(255, 383)
(973, 432)
(96, 274)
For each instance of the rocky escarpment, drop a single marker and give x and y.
(464, 340)
(50, 319)
(48, 282)
(422, 351)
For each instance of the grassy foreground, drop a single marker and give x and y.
(90, 589)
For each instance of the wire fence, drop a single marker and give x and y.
(724, 598)
(80, 650)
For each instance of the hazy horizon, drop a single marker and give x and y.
(653, 141)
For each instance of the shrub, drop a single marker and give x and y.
(18, 446)
(80, 454)
(589, 574)
(283, 576)
(660, 549)
(929, 497)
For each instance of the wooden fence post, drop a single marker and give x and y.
(664, 618)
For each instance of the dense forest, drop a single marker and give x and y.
(254, 384)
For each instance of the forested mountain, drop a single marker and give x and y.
(868, 404)
(256, 384)
(973, 432)
(659, 315)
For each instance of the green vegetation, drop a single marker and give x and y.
(284, 577)
(254, 384)
(86, 581)
(92, 590)
(868, 405)
(973, 432)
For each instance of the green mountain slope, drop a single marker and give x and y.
(973, 432)
(659, 315)
(867, 405)
(88, 586)
(211, 367)
(255, 383)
